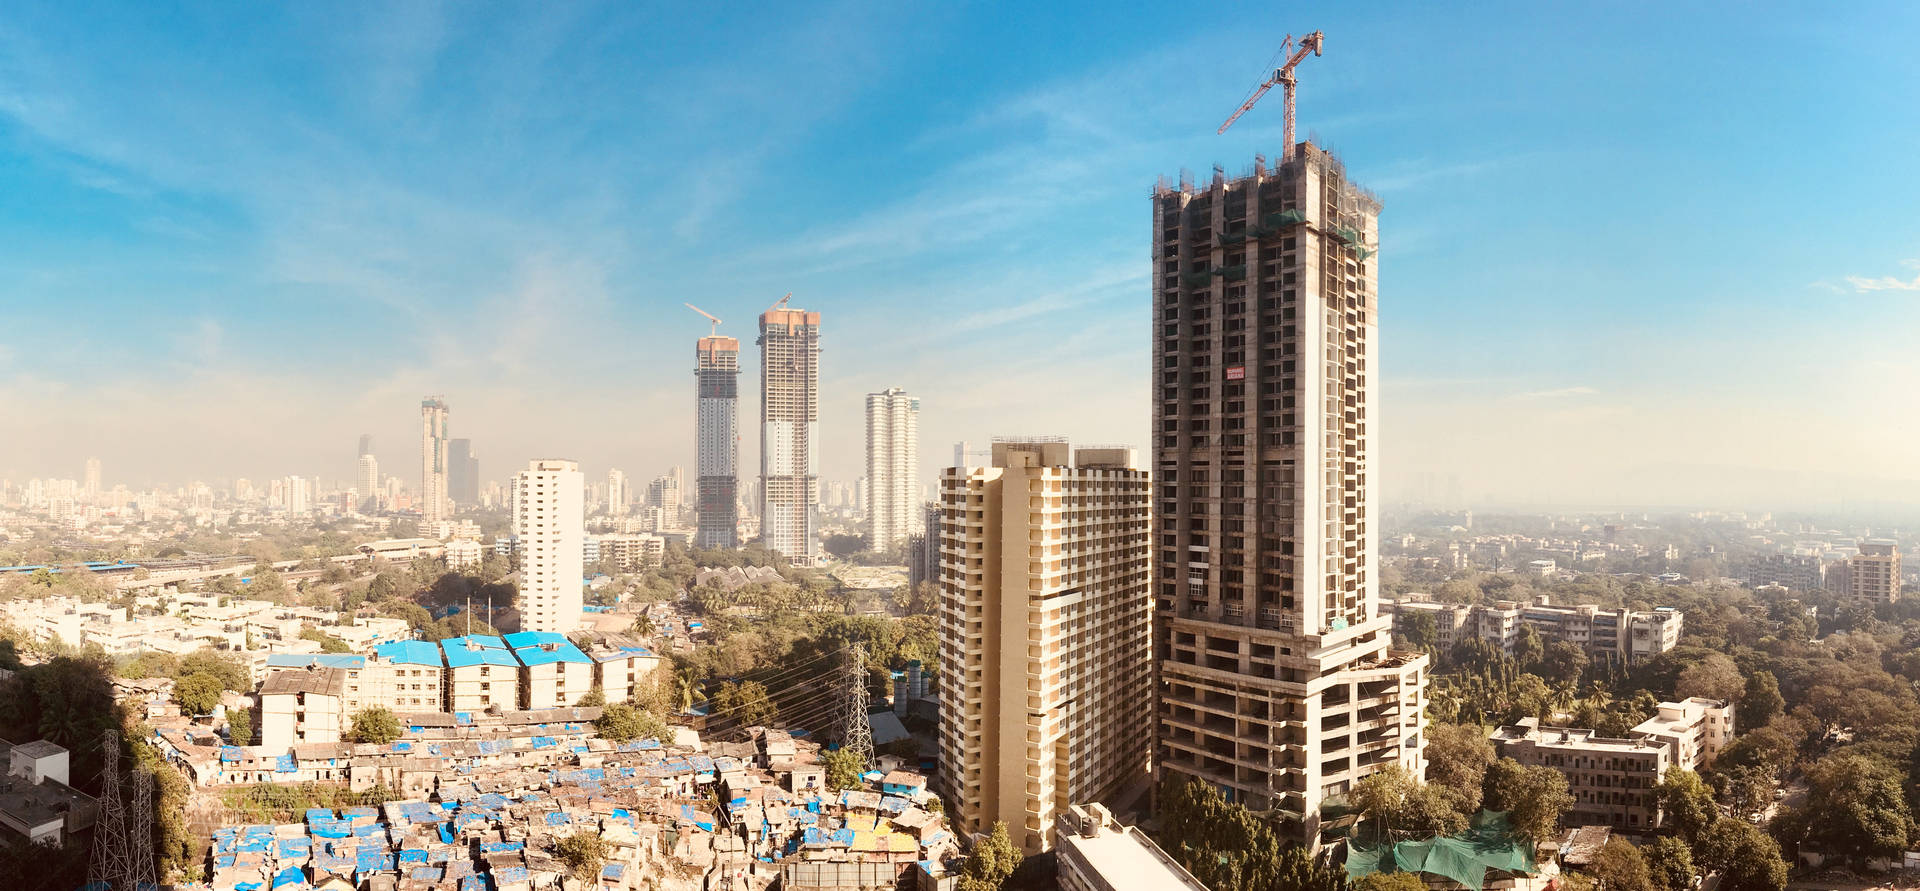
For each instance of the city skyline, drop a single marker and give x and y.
(1708, 365)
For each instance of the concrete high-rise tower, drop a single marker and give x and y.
(90, 487)
(367, 483)
(716, 377)
(789, 430)
(1045, 662)
(893, 468)
(366, 444)
(1276, 681)
(432, 499)
(463, 473)
(549, 515)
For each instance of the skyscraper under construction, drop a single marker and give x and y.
(1276, 684)
(716, 373)
(789, 430)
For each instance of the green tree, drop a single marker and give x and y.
(1398, 802)
(1669, 864)
(375, 724)
(231, 674)
(1688, 803)
(240, 726)
(1389, 881)
(1856, 808)
(1458, 756)
(1619, 866)
(621, 722)
(1745, 857)
(584, 853)
(197, 693)
(992, 861)
(328, 643)
(1418, 631)
(1760, 703)
(594, 698)
(1715, 677)
(1225, 845)
(746, 702)
(843, 769)
(1535, 798)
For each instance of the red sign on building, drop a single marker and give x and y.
(1237, 373)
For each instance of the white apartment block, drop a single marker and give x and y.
(553, 672)
(482, 674)
(622, 665)
(549, 516)
(302, 706)
(619, 496)
(893, 468)
(1045, 635)
(1621, 637)
(633, 551)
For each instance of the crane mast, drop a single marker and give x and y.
(1284, 78)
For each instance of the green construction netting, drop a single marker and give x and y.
(1465, 858)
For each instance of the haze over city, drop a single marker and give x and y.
(1633, 255)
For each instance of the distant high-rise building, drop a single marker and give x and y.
(549, 516)
(463, 473)
(923, 549)
(367, 482)
(366, 444)
(1265, 371)
(1874, 573)
(91, 487)
(893, 467)
(789, 430)
(298, 495)
(716, 377)
(1045, 663)
(617, 495)
(432, 499)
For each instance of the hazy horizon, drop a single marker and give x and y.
(1628, 256)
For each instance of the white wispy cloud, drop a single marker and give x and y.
(1887, 282)
(1557, 393)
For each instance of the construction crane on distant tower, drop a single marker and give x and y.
(782, 304)
(1283, 76)
(710, 318)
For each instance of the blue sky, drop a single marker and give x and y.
(1624, 248)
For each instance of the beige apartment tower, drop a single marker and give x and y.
(1276, 684)
(1874, 574)
(893, 468)
(1045, 634)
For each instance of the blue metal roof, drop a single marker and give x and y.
(410, 652)
(549, 653)
(520, 639)
(326, 660)
(491, 652)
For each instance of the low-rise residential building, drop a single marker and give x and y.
(1693, 729)
(1096, 852)
(1799, 572)
(405, 676)
(302, 705)
(553, 672)
(36, 802)
(1616, 636)
(632, 552)
(1612, 780)
(481, 674)
(621, 664)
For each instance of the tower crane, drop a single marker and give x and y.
(710, 318)
(1282, 76)
(782, 304)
